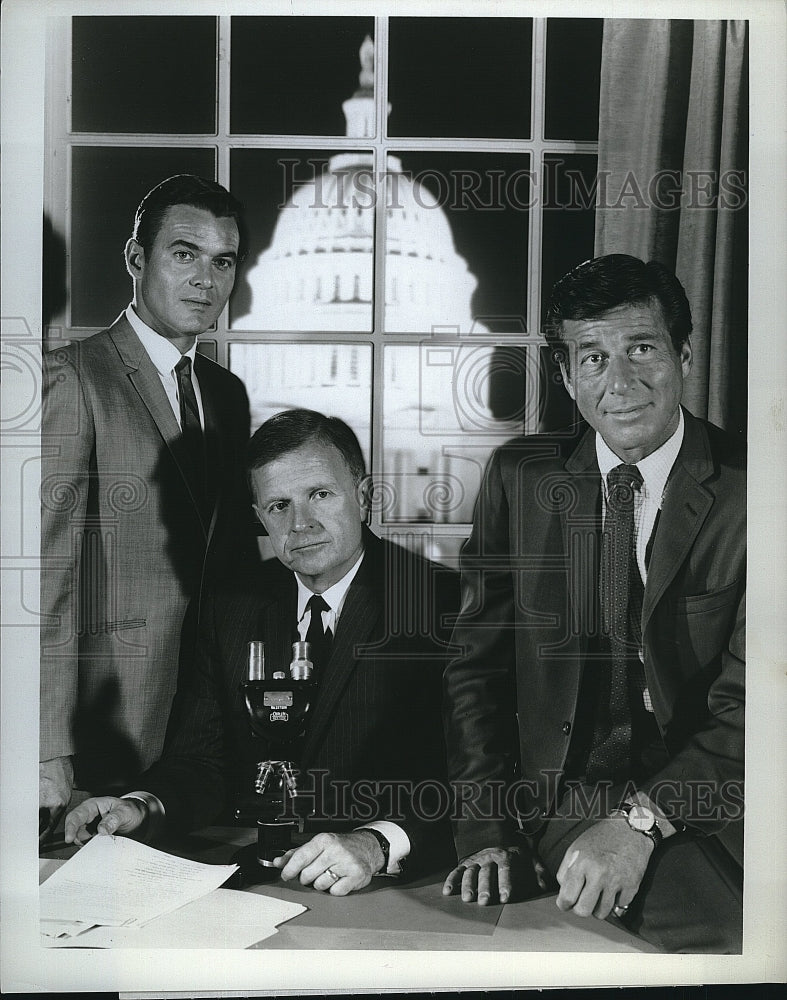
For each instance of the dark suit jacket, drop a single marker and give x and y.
(528, 582)
(124, 548)
(377, 714)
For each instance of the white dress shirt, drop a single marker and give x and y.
(165, 356)
(655, 469)
(334, 597)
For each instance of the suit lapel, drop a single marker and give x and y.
(145, 378)
(686, 505)
(362, 609)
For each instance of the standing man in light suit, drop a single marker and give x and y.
(142, 448)
(603, 626)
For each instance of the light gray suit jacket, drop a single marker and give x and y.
(124, 546)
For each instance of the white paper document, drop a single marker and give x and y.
(225, 918)
(118, 882)
(221, 918)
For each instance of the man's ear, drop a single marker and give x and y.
(686, 357)
(135, 258)
(365, 498)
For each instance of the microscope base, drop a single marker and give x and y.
(251, 872)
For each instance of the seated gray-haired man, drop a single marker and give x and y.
(376, 721)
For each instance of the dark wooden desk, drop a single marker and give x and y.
(414, 916)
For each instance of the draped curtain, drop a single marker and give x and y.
(673, 173)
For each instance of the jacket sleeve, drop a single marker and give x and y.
(480, 715)
(67, 448)
(702, 783)
(190, 777)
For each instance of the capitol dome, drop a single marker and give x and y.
(318, 271)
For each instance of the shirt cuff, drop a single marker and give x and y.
(154, 815)
(397, 838)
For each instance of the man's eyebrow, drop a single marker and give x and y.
(198, 249)
(587, 342)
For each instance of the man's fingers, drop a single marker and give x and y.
(77, 820)
(488, 888)
(453, 881)
(470, 882)
(588, 899)
(570, 889)
(282, 859)
(504, 882)
(604, 903)
(569, 859)
(299, 860)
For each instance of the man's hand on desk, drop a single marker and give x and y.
(497, 874)
(603, 868)
(55, 784)
(104, 814)
(353, 857)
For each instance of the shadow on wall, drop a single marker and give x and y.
(54, 290)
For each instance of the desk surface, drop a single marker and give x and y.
(412, 917)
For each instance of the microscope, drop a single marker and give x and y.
(278, 708)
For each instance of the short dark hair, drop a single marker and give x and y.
(601, 284)
(185, 189)
(291, 429)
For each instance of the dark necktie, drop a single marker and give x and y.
(316, 635)
(191, 430)
(621, 594)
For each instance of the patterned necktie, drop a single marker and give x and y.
(316, 634)
(621, 594)
(191, 429)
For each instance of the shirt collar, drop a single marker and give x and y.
(161, 351)
(333, 596)
(655, 468)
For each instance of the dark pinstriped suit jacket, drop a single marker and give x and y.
(377, 714)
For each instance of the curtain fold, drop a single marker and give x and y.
(673, 170)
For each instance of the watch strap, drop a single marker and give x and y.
(385, 846)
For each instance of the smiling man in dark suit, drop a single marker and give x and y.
(374, 731)
(597, 712)
(142, 479)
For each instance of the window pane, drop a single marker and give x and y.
(569, 192)
(144, 74)
(311, 240)
(456, 242)
(446, 405)
(108, 184)
(573, 77)
(291, 75)
(335, 379)
(568, 239)
(465, 77)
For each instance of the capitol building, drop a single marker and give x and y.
(317, 275)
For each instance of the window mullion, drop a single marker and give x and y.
(380, 166)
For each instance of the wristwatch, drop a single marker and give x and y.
(641, 819)
(382, 840)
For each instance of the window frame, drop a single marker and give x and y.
(60, 141)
